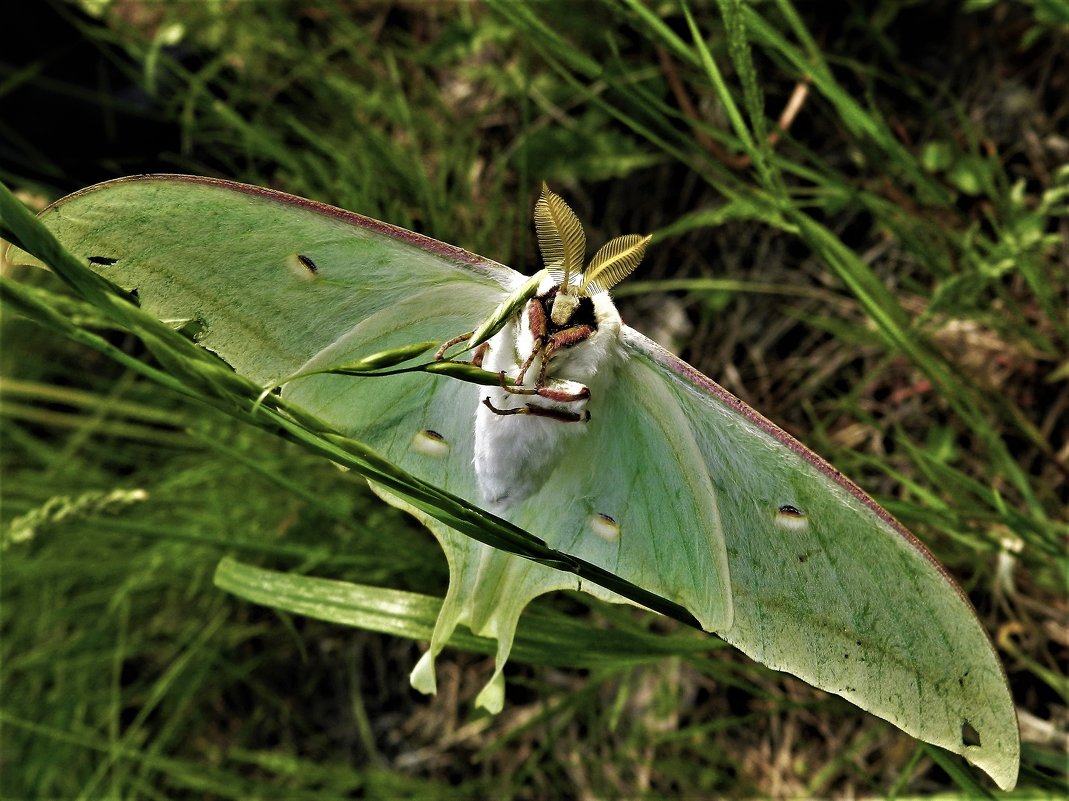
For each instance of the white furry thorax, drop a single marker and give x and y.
(514, 454)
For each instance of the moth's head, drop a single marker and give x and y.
(565, 303)
(563, 244)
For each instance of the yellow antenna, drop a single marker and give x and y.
(560, 236)
(614, 262)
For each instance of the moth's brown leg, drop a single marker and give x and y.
(540, 411)
(560, 340)
(440, 353)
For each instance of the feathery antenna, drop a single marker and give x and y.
(560, 235)
(616, 259)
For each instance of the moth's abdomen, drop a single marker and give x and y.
(516, 447)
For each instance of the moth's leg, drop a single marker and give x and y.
(557, 414)
(540, 411)
(562, 396)
(536, 322)
(538, 343)
(440, 353)
(559, 395)
(480, 354)
(560, 340)
(515, 390)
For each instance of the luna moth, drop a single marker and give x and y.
(593, 438)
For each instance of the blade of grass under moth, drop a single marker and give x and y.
(546, 637)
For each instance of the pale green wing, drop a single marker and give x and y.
(828, 586)
(277, 284)
(268, 279)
